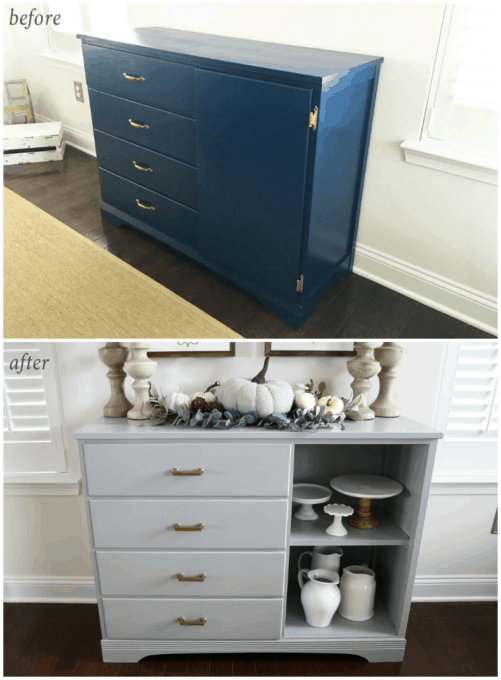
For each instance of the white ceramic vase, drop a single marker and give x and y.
(323, 557)
(358, 590)
(320, 596)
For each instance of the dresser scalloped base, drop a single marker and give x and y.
(132, 651)
(293, 314)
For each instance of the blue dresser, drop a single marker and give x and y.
(247, 156)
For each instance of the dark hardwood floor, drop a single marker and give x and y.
(354, 308)
(443, 639)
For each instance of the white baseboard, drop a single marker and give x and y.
(433, 290)
(448, 588)
(74, 137)
(49, 589)
(455, 588)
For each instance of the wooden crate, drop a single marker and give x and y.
(33, 143)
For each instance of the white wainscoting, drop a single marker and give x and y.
(74, 137)
(49, 589)
(444, 295)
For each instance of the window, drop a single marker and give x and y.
(467, 413)
(34, 446)
(81, 18)
(459, 129)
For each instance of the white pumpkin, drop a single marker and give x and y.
(299, 389)
(260, 395)
(173, 400)
(207, 395)
(305, 401)
(333, 405)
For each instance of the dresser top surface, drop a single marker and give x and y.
(315, 64)
(401, 428)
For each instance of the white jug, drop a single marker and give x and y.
(323, 557)
(358, 589)
(320, 596)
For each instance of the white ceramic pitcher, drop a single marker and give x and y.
(320, 596)
(358, 589)
(323, 557)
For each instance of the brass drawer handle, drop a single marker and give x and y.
(140, 167)
(144, 207)
(197, 527)
(138, 125)
(182, 577)
(199, 622)
(141, 79)
(187, 473)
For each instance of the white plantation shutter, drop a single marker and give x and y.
(464, 96)
(33, 439)
(473, 408)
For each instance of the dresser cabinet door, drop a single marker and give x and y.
(253, 141)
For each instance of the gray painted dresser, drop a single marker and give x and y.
(207, 561)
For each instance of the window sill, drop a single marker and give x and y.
(42, 488)
(460, 163)
(64, 60)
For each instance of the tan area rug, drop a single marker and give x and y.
(58, 284)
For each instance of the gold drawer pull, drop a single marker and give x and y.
(138, 125)
(140, 167)
(144, 207)
(197, 527)
(141, 79)
(199, 622)
(182, 577)
(187, 473)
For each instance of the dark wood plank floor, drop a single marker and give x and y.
(354, 308)
(443, 639)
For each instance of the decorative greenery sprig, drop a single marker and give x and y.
(295, 421)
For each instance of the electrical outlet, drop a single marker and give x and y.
(78, 91)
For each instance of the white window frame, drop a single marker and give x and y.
(449, 481)
(63, 480)
(420, 150)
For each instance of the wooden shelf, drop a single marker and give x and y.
(313, 533)
(380, 626)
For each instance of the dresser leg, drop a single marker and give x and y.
(109, 217)
(122, 655)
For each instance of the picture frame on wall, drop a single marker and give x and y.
(191, 348)
(300, 348)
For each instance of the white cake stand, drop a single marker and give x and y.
(365, 487)
(309, 495)
(338, 511)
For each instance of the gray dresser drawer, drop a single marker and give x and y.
(233, 524)
(151, 619)
(227, 574)
(228, 469)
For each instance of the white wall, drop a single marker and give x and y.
(46, 546)
(427, 233)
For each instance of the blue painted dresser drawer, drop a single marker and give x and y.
(167, 133)
(161, 83)
(167, 216)
(149, 169)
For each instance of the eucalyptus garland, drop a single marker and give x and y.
(296, 420)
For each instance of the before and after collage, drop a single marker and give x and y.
(250, 348)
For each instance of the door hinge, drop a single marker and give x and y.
(313, 118)
(300, 284)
